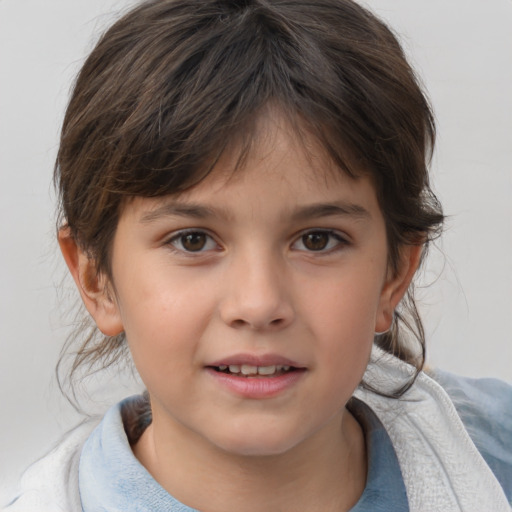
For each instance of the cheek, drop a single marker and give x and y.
(162, 323)
(345, 304)
(342, 315)
(163, 302)
(346, 337)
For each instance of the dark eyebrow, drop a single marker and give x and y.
(316, 211)
(177, 209)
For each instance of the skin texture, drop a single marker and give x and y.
(274, 273)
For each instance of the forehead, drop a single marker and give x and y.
(278, 150)
(284, 174)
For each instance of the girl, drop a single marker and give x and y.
(245, 202)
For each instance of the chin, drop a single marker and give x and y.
(264, 443)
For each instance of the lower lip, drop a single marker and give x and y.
(257, 387)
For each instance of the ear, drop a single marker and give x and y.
(396, 285)
(93, 287)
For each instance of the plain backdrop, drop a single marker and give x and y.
(462, 50)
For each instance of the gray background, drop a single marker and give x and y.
(462, 49)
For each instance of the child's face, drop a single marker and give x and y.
(283, 264)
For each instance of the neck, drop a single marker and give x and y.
(325, 473)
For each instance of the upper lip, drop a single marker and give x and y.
(256, 360)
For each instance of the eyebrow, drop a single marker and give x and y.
(336, 209)
(175, 209)
(302, 213)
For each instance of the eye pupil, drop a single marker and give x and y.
(193, 241)
(316, 241)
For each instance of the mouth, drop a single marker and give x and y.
(256, 377)
(248, 370)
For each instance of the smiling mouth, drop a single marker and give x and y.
(247, 370)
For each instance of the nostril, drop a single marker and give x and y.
(238, 323)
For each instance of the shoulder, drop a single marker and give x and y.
(51, 483)
(485, 408)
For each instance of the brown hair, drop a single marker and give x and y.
(174, 82)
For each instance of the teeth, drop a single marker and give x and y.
(266, 370)
(249, 369)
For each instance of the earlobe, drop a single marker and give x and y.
(93, 287)
(397, 285)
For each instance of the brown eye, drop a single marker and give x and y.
(316, 241)
(193, 242)
(322, 241)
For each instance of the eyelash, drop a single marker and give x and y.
(334, 236)
(176, 241)
(178, 238)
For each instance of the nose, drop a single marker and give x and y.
(257, 294)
